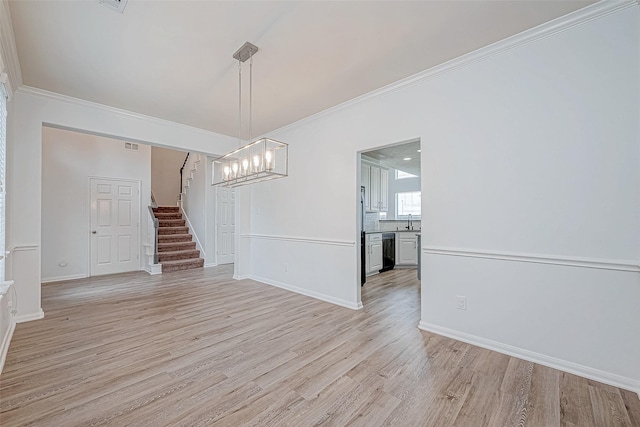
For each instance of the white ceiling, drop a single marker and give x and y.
(173, 59)
(404, 157)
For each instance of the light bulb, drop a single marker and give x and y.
(256, 162)
(234, 168)
(225, 172)
(268, 156)
(245, 166)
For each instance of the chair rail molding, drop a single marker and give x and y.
(603, 264)
(297, 239)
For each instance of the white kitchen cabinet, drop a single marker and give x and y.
(373, 255)
(376, 182)
(365, 181)
(406, 248)
(384, 190)
(375, 189)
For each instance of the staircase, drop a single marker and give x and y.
(176, 251)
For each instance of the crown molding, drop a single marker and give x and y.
(45, 94)
(9, 62)
(555, 26)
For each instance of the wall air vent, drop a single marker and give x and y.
(117, 5)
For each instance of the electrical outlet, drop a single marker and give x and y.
(462, 302)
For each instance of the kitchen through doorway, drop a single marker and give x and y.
(390, 212)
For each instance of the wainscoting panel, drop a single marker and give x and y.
(559, 313)
(322, 269)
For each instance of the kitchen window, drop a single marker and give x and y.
(403, 175)
(408, 203)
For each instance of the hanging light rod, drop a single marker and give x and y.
(260, 160)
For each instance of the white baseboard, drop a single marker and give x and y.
(241, 277)
(6, 340)
(316, 295)
(541, 359)
(154, 269)
(211, 264)
(61, 278)
(29, 317)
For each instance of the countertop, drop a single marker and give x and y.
(393, 231)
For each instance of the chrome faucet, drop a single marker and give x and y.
(409, 223)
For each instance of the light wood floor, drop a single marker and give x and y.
(198, 348)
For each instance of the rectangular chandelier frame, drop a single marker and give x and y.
(261, 160)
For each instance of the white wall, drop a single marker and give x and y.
(530, 191)
(165, 174)
(194, 202)
(29, 110)
(68, 160)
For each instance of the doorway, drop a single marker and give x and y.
(114, 226)
(390, 212)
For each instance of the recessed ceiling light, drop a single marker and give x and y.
(407, 158)
(419, 151)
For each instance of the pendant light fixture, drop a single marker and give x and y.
(259, 160)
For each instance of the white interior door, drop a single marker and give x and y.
(225, 225)
(114, 226)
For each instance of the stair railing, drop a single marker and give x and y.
(156, 224)
(181, 181)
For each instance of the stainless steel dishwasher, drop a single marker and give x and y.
(388, 251)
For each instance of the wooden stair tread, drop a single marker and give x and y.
(174, 238)
(182, 261)
(182, 235)
(182, 264)
(165, 246)
(172, 222)
(166, 209)
(163, 231)
(168, 215)
(179, 255)
(176, 244)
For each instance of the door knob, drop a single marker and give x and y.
(93, 231)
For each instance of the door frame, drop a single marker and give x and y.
(138, 219)
(359, 217)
